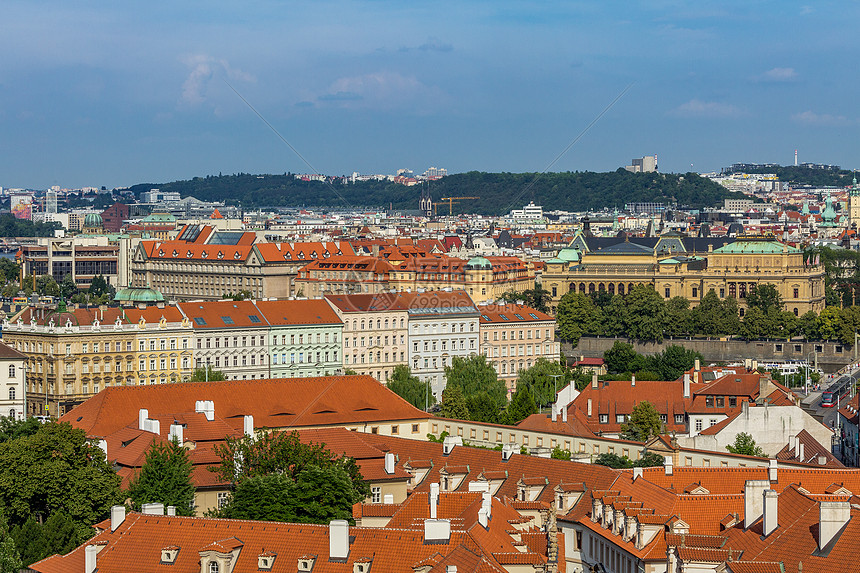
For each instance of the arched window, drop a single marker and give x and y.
(611, 288)
(795, 311)
(582, 288)
(11, 393)
(590, 288)
(11, 371)
(601, 287)
(621, 288)
(12, 413)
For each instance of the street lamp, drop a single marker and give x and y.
(808, 378)
(555, 378)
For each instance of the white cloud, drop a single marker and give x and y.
(820, 119)
(389, 89)
(779, 75)
(203, 69)
(699, 108)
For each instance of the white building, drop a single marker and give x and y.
(12, 379)
(442, 325)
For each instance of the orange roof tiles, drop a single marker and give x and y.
(511, 313)
(289, 312)
(276, 403)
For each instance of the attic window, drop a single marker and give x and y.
(227, 320)
(266, 560)
(253, 318)
(220, 255)
(533, 315)
(168, 555)
(204, 254)
(313, 254)
(200, 321)
(188, 254)
(503, 317)
(301, 254)
(306, 562)
(326, 254)
(175, 253)
(236, 255)
(288, 256)
(519, 316)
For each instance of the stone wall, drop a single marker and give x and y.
(831, 355)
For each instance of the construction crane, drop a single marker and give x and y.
(452, 200)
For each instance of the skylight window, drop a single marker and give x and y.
(199, 321)
(519, 316)
(533, 315)
(227, 320)
(254, 318)
(503, 317)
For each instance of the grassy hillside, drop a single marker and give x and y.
(498, 192)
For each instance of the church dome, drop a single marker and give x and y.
(478, 263)
(93, 220)
(136, 295)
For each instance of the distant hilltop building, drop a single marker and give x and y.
(647, 164)
(157, 196)
(530, 211)
(435, 172)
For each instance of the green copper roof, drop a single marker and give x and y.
(479, 262)
(755, 247)
(159, 218)
(568, 255)
(138, 295)
(93, 220)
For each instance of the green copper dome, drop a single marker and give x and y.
(93, 220)
(135, 295)
(479, 263)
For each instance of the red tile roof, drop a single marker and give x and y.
(511, 313)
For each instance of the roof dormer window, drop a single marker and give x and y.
(220, 254)
(266, 560)
(168, 554)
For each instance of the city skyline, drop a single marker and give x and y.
(121, 94)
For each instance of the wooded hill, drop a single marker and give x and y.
(808, 176)
(498, 192)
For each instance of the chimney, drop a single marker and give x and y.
(437, 530)
(389, 463)
(555, 412)
(633, 380)
(142, 415)
(388, 499)
(594, 379)
(564, 414)
(686, 385)
(487, 503)
(754, 365)
(753, 498)
(770, 519)
(434, 499)
(697, 367)
(772, 470)
(338, 539)
(175, 432)
(449, 443)
(482, 518)
(833, 515)
(667, 465)
(152, 508)
(589, 407)
(800, 451)
(450, 569)
(210, 410)
(90, 558)
(171, 510)
(117, 516)
(248, 424)
(637, 473)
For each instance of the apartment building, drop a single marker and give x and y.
(83, 257)
(344, 275)
(73, 354)
(12, 388)
(205, 264)
(514, 336)
(304, 338)
(375, 332)
(442, 325)
(229, 336)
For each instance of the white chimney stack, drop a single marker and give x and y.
(564, 414)
(338, 539)
(772, 470)
(800, 452)
(833, 515)
(90, 558)
(589, 408)
(633, 380)
(594, 379)
(176, 431)
(686, 385)
(117, 516)
(434, 499)
(437, 530)
(482, 518)
(770, 519)
(637, 473)
(142, 416)
(481, 486)
(554, 411)
(753, 498)
(668, 465)
(389, 463)
(487, 503)
(152, 508)
(248, 425)
(388, 498)
(171, 510)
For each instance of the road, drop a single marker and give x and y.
(829, 416)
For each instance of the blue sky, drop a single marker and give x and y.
(117, 93)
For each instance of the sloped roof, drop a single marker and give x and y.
(275, 403)
(510, 313)
(288, 312)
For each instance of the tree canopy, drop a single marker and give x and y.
(644, 423)
(164, 478)
(745, 444)
(410, 388)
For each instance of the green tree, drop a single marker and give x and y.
(764, 296)
(164, 478)
(576, 316)
(314, 495)
(9, 269)
(410, 388)
(613, 461)
(620, 358)
(715, 317)
(560, 454)
(474, 375)
(483, 408)
(521, 407)
(744, 444)
(12, 429)
(10, 558)
(646, 314)
(540, 379)
(68, 286)
(537, 298)
(64, 473)
(207, 374)
(644, 423)
(649, 460)
(281, 452)
(454, 404)
(675, 360)
(679, 317)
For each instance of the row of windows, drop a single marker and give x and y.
(357, 342)
(360, 358)
(524, 350)
(523, 334)
(432, 345)
(380, 324)
(441, 328)
(322, 338)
